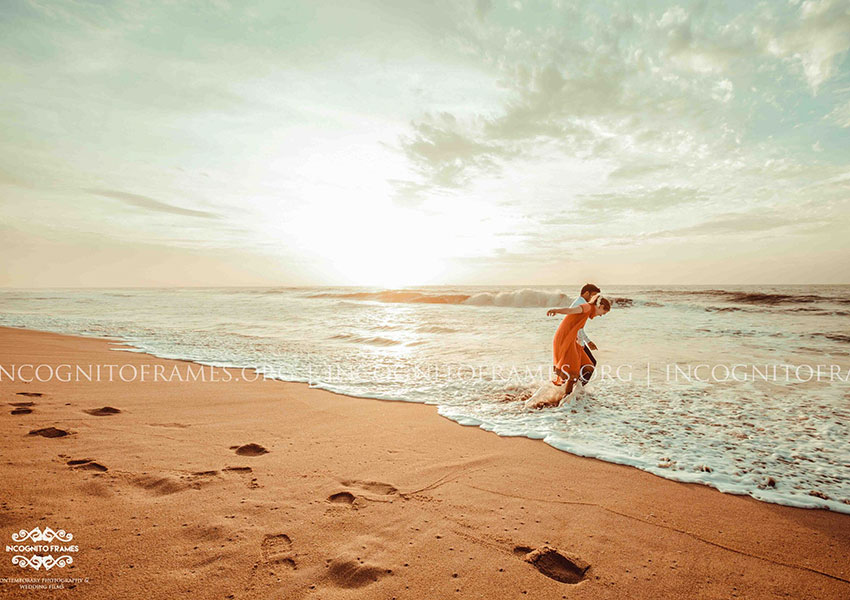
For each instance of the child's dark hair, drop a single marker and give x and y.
(589, 288)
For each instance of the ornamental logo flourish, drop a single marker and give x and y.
(37, 535)
(44, 554)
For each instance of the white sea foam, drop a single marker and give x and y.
(519, 298)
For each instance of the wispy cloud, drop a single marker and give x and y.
(841, 115)
(732, 223)
(150, 204)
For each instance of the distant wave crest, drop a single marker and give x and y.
(524, 298)
(756, 298)
(513, 298)
(519, 298)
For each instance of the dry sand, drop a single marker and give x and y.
(274, 490)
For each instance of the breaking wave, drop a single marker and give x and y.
(371, 340)
(513, 298)
(519, 298)
(524, 298)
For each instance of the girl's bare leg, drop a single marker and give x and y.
(549, 394)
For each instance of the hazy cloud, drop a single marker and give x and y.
(732, 223)
(816, 38)
(645, 200)
(444, 151)
(637, 169)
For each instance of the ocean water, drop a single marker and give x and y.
(744, 389)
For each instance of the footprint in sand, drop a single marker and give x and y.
(102, 412)
(246, 473)
(371, 487)
(362, 562)
(239, 469)
(277, 550)
(342, 498)
(369, 490)
(22, 408)
(87, 464)
(160, 485)
(49, 432)
(553, 564)
(249, 450)
(354, 574)
(199, 479)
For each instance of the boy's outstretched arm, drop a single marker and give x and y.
(563, 311)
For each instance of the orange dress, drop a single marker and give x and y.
(569, 356)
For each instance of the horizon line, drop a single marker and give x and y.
(404, 287)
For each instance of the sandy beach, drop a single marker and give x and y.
(266, 489)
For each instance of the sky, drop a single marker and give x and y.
(404, 143)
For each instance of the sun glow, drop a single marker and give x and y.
(392, 265)
(362, 234)
(387, 247)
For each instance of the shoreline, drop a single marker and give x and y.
(812, 502)
(358, 498)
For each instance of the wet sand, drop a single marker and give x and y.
(266, 489)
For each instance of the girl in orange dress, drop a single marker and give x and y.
(570, 360)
